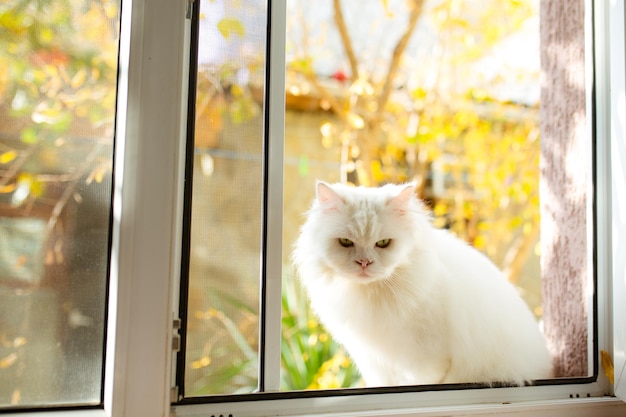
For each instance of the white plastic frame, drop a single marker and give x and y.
(147, 212)
(146, 207)
(618, 187)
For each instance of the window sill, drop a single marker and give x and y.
(576, 407)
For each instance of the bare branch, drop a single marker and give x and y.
(310, 74)
(335, 105)
(69, 190)
(517, 255)
(398, 51)
(15, 167)
(345, 39)
(332, 101)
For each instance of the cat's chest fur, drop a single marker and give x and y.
(403, 320)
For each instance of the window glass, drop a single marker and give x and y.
(225, 235)
(443, 94)
(58, 70)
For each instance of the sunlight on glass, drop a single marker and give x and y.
(58, 72)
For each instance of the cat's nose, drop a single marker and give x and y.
(364, 262)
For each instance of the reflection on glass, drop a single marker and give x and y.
(223, 305)
(58, 69)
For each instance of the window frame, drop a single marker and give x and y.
(147, 213)
(616, 101)
(147, 201)
(562, 390)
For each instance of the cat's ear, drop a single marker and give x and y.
(327, 197)
(400, 203)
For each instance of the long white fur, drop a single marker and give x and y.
(429, 309)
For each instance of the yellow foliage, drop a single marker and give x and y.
(356, 121)
(377, 172)
(9, 188)
(607, 365)
(326, 376)
(203, 362)
(8, 360)
(7, 156)
(230, 26)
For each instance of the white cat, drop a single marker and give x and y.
(412, 304)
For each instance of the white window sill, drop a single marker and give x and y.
(596, 407)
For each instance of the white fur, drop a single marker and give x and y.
(429, 309)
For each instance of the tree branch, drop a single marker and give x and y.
(15, 167)
(345, 39)
(69, 190)
(398, 51)
(518, 254)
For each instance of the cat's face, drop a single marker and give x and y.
(362, 234)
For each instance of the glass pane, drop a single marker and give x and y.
(223, 306)
(58, 70)
(445, 95)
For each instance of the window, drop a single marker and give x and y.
(222, 314)
(145, 252)
(57, 107)
(361, 108)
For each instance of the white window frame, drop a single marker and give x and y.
(616, 101)
(148, 194)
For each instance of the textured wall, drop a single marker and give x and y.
(565, 159)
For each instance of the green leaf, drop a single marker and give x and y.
(303, 165)
(303, 65)
(29, 136)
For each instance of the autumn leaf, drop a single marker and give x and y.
(79, 78)
(27, 185)
(7, 157)
(9, 188)
(303, 65)
(203, 362)
(607, 365)
(230, 26)
(377, 171)
(8, 360)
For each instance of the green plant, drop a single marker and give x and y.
(311, 359)
(227, 360)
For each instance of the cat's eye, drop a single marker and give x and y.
(346, 243)
(383, 243)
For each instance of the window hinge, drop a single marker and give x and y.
(176, 345)
(189, 10)
(176, 323)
